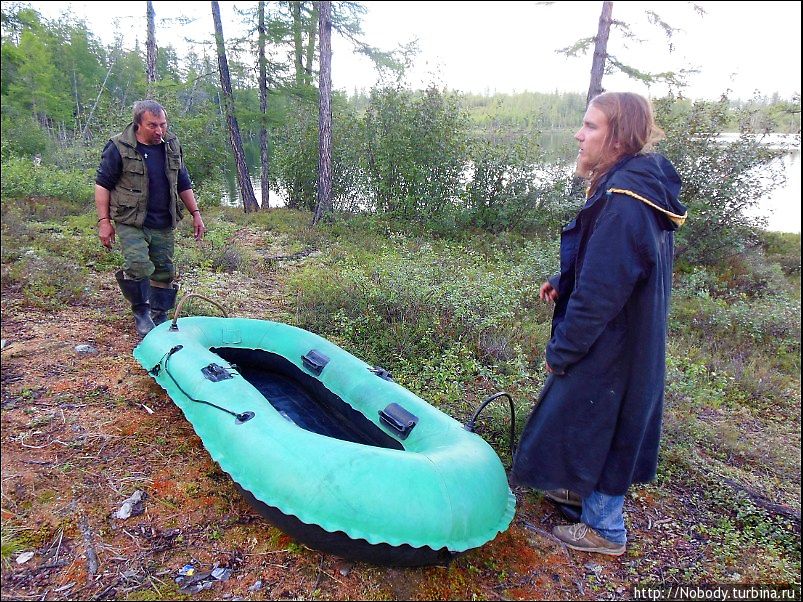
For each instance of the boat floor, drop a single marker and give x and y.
(303, 400)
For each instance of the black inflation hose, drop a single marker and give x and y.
(472, 423)
(242, 417)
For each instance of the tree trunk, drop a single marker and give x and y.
(600, 51)
(77, 100)
(263, 110)
(151, 47)
(246, 189)
(299, 57)
(312, 29)
(85, 133)
(325, 115)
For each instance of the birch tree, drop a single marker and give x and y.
(227, 100)
(150, 65)
(263, 109)
(324, 205)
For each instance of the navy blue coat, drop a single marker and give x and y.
(597, 423)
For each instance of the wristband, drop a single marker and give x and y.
(103, 218)
(194, 211)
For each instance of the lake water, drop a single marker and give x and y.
(781, 207)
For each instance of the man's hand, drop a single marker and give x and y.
(198, 225)
(548, 293)
(106, 233)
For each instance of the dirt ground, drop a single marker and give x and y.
(83, 429)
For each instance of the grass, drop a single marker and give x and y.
(457, 318)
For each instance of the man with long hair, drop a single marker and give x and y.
(596, 427)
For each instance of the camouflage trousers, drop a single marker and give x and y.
(147, 253)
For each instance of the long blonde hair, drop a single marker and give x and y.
(631, 130)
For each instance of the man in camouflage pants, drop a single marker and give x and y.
(141, 189)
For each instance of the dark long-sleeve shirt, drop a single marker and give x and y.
(110, 168)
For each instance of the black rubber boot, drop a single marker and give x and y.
(138, 293)
(162, 301)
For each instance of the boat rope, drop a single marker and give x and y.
(177, 313)
(472, 423)
(241, 417)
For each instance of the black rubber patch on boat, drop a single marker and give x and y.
(215, 373)
(314, 361)
(399, 419)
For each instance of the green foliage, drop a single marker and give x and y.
(166, 591)
(23, 179)
(526, 110)
(414, 151)
(47, 282)
(23, 137)
(16, 232)
(217, 252)
(741, 532)
(203, 138)
(720, 178)
(439, 315)
(10, 546)
(762, 114)
(295, 167)
(783, 248)
(745, 315)
(513, 186)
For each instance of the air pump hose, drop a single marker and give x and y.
(177, 313)
(472, 423)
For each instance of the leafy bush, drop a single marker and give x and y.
(434, 312)
(769, 325)
(415, 151)
(720, 185)
(505, 190)
(22, 179)
(16, 231)
(783, 248)
(23, 137)
(295, 164)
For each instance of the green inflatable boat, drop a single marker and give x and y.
(328, 448)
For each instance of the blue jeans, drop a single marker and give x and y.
(603, 513)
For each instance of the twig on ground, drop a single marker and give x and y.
(319, 576)
(91, 556)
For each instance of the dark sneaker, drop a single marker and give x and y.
(564, 496)
(581, 537)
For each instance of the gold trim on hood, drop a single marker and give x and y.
(673, 217)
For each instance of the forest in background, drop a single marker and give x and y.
(432, 156)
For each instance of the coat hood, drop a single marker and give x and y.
(653, 180)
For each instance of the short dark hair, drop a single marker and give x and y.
(147, 106)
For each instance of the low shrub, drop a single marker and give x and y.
(440, 315)
(22, 179)
(783, 248)
(47, 282)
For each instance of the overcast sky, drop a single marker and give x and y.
(510, 46)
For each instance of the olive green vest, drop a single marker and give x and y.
(129, 198)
